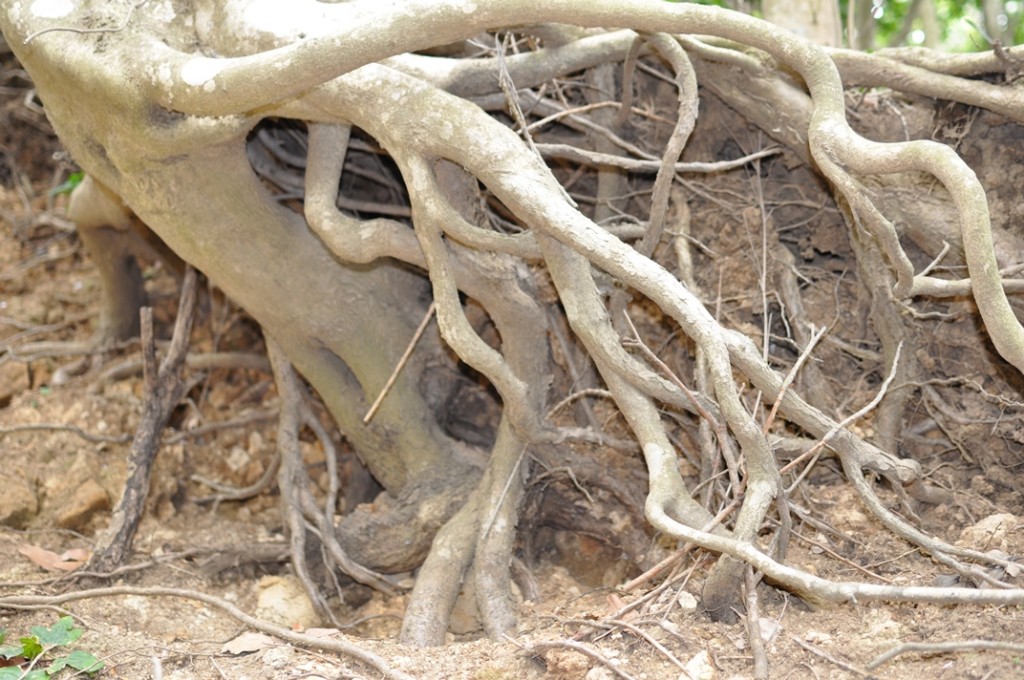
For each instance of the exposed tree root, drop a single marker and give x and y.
(348, 69)
(299, 508)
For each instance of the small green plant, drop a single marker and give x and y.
(73, 180)
(45, 646)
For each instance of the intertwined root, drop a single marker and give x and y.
(192, 113)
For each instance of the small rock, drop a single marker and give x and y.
(87, 500)
(687, 602)
(701, 667)
(282, 600)
(769, 628)
(18, 503)
(566, 663)
(991, 532)
(280, 657)
(255, 444)
(599, 673)
(237, 458)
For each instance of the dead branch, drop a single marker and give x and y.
(164, 389)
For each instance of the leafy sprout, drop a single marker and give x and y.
(45, 644)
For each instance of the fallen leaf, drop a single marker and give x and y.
(49, 560)
(247, 643)
(75, 555)
(616, 603)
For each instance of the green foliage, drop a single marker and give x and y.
(62, 633)
(30, 647)
(960, 23)
(73, 180)
(45, 644)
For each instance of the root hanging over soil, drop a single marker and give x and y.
(342, 187)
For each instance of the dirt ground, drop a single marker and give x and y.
(58, 485)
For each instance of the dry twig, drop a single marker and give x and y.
(164, 389)
(943, 648)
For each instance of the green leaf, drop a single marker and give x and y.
(58, 664)
(80, 660)
(84, 661)
(73, 180)
(62, 633)
(10, 651)
(30, 647)
(15, 673)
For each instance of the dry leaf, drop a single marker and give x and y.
(49, 560)
(247, 643)
(75, 555)
(616, 604)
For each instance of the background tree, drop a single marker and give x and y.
(816, 20)
(874, 24)
(205, 120)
